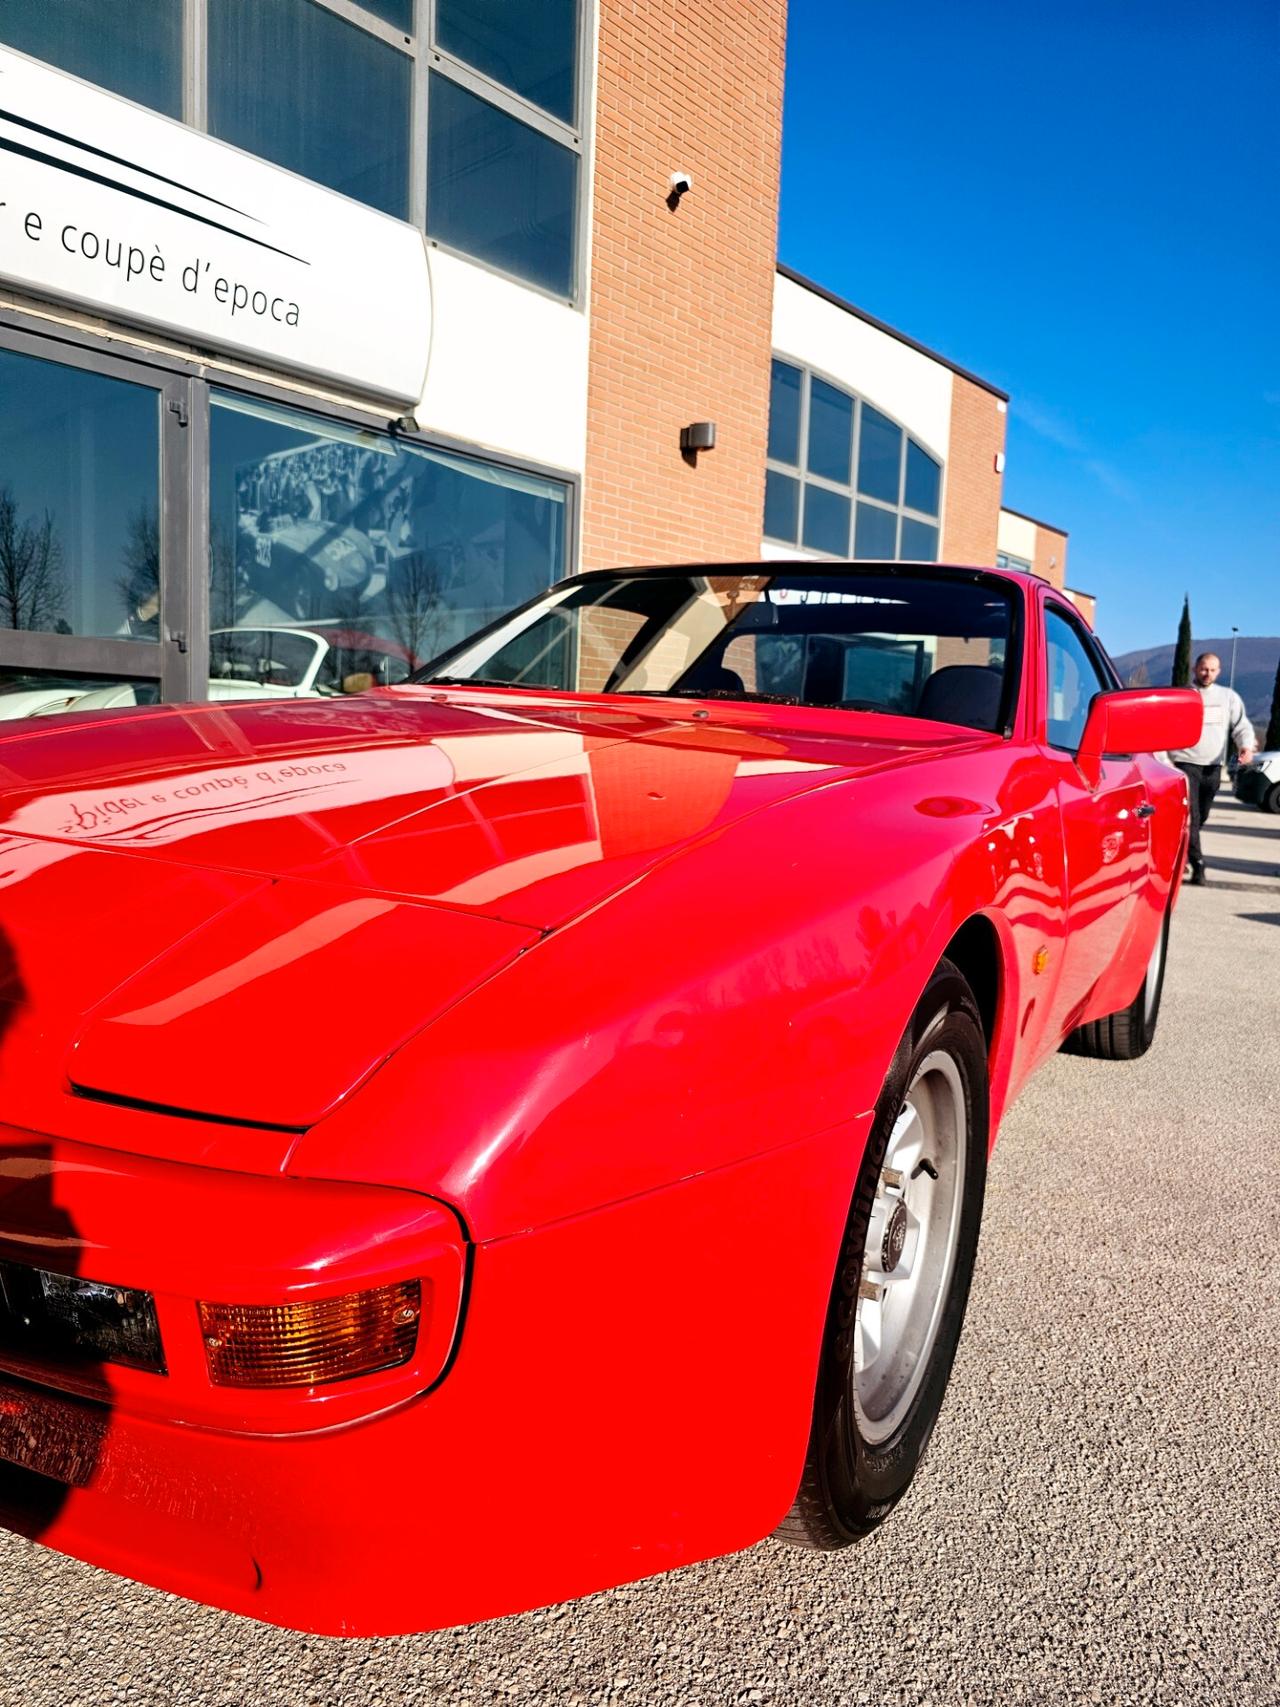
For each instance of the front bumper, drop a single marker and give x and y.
(630, 1391)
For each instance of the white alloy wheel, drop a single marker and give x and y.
(910, 1248)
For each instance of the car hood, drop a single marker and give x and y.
(525, 812)
(238, 912)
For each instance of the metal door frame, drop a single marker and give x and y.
(170, 660)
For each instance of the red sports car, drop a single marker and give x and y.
(499, 1137)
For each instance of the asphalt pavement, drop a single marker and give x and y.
(1098, 1518)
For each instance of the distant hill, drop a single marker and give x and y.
(1256, 660)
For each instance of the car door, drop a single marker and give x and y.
(1104, 828)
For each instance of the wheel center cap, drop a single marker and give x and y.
(895, 1237)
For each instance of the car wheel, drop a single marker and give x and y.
(899, 1296)
(1125, 1035)
(1271, 799)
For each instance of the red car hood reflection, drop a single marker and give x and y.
(528, 816)
(206, 893)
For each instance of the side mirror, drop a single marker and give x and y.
(1138, 720)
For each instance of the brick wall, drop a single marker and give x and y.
(971, 508)
(1051, 555)
(681, 299)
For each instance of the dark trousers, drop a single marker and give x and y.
(1202, 785)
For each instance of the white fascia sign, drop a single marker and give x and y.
(140, 219)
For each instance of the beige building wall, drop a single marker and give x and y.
(1042, 547)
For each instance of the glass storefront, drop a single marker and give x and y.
(337, 557)
(79, 501)
(386, 550)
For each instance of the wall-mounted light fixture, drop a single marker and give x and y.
(698, 435)
(999, 462)
(680, 183)
(403, 424)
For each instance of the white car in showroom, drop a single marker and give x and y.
(244, 663)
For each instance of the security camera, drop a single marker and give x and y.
(681, 183)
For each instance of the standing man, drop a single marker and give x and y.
(1224, 719)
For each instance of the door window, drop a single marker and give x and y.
(79, 501)
(1072, 677)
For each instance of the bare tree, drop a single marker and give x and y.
(226, 583)
(1139, 675)
(32, 588)
(416, 606)
(140, 584)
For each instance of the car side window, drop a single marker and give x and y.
(1073, 677)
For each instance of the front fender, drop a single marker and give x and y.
(747, 993)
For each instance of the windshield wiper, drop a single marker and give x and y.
(715, 693)
(462, 682)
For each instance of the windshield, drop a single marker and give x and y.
(906, 642)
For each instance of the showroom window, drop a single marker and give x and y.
(461, 115)
(304, 555)
(340, 557)
(79, 501)
(843, 479)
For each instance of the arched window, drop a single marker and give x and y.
(843, 479)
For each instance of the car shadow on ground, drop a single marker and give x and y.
(1262, 918)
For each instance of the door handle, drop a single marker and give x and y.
(1146, 810)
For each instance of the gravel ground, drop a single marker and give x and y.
(1099, 1514)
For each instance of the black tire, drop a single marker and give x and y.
(1126, 1035)
(851, 1484)
(1270, 801)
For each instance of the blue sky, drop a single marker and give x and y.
(1082, 205)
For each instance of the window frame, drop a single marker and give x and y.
(799, 471)
(179, 660)
(162, 660)
(421, 49)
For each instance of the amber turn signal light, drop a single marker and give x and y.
(306, 1344)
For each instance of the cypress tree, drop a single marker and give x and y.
(1273, 728)
(1181, 677)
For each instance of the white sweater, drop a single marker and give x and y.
(1224, 715)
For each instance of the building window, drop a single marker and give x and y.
(499, 190)
(132, 47)
(462, 115)
(342, 115)
(339, 558)
(843, 479)
(79, 502)
(1006, 560)
(336, 556)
